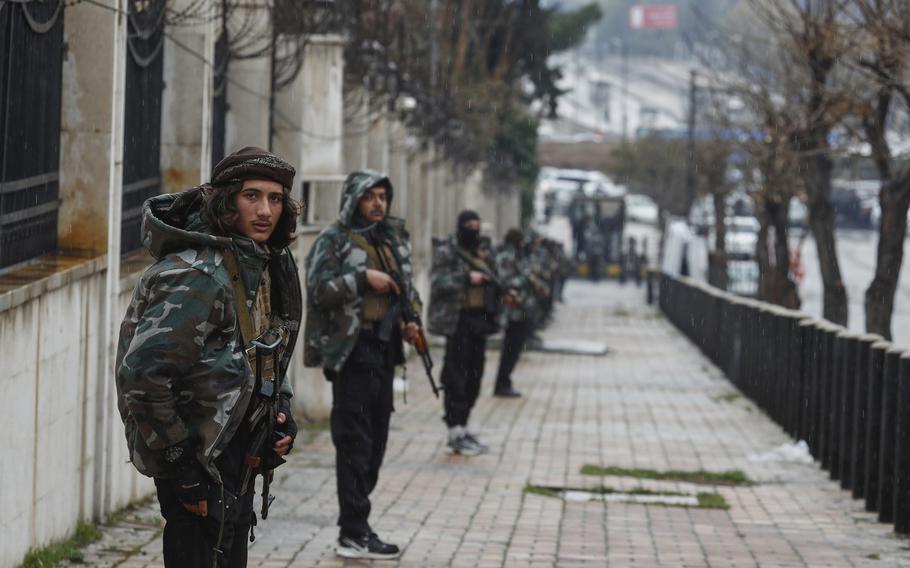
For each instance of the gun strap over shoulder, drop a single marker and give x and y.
(243, 310)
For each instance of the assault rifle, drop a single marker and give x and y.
(402, 308)
(495, 291)
(261, 459)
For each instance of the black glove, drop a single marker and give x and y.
(192, 485)
(289, 427)
(191, 482)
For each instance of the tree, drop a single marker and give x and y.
(813, 39)
(883, 54)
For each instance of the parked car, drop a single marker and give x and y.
(798, 213)
(641, 208)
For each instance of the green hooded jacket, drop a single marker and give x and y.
(336, 276)
(181, 372)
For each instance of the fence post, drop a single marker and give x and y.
(874, 423)
(807, 329)
(902, 448)
(815, 386)
(861, 413)
(888, 438)
(833, 410)
(847, 409)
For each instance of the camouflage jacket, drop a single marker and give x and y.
(448, 281)
(336, 276)
(514, 269)
(181, 372)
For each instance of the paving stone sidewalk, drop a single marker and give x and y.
(653, 402)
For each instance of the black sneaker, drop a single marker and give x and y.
(367, 547)
(462, 446)
(507, 393)
(471, 439)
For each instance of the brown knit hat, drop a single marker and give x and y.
(253, 163)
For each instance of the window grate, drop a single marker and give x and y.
(31, 38)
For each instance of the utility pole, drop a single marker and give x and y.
(434, 48)
(690, 163)
(624, 51)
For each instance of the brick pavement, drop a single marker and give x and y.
(653, 402)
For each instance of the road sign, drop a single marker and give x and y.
(653, 17)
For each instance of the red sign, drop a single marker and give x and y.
(653, 17)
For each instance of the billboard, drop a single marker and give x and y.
(653, 17)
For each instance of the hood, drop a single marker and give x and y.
(354, 187)
(172, 223)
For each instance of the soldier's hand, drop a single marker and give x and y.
(478, 277)
(381, 282)
(200, 508)
(409, 332)
(510, 298)
(191, 488)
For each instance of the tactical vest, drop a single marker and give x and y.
(376, 304)
(475, 295)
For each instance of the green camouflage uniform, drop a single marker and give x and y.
(514, 269)
(336, 277)
(181, 370)
(448, 281)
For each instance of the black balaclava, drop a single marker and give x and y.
(467, 238)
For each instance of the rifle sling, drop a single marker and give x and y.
(243, 310)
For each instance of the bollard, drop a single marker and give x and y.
(874, 422)
(902, 448)
(847, 409)
(888, 435)
(861, 413)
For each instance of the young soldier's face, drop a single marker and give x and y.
(373, 204)
(259, 204)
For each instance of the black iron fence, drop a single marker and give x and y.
(142, 115)
(846, 394)
(31, 66)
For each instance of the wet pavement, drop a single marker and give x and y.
(652, 402)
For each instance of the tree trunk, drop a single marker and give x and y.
(818, 169)
(786, 292)
(717, 259)
(894, 199)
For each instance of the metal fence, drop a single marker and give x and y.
(31, 66)
(846, 394)
(142, 115)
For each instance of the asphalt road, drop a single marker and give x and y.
(856, 252)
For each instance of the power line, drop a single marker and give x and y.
(240, 86)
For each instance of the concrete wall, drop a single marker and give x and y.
(66, 456)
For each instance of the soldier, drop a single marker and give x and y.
(357, 268)
(515, 270)
(223, 277)
(464, 306)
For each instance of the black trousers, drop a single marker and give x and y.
(361, 411)
(517, 333)
(190, 540)
(462, 368)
